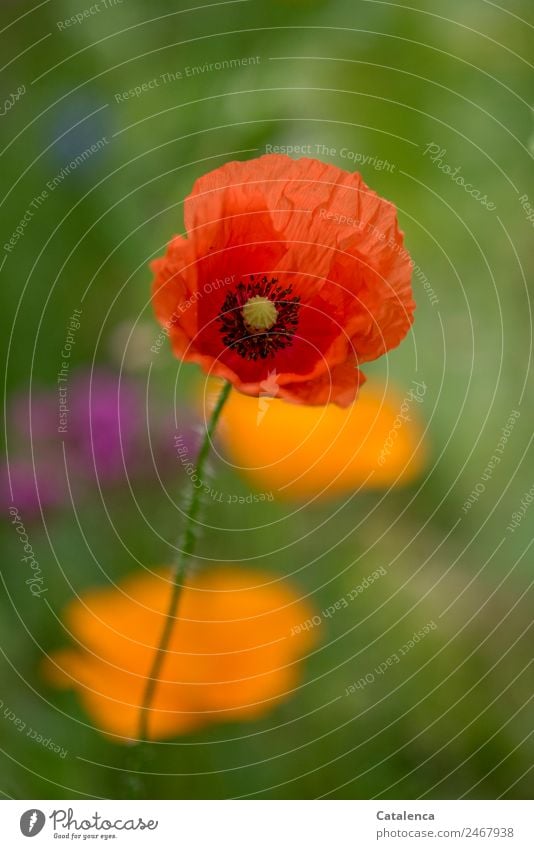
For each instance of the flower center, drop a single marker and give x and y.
(259, 313)
(259, 318)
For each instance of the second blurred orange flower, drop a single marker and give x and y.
(234, 651)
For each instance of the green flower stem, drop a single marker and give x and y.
(179, 567)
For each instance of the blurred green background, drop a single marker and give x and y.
(382, 80)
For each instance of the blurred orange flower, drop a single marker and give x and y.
(297, 452)
(233, 653)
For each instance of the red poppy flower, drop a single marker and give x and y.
(293, 273)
